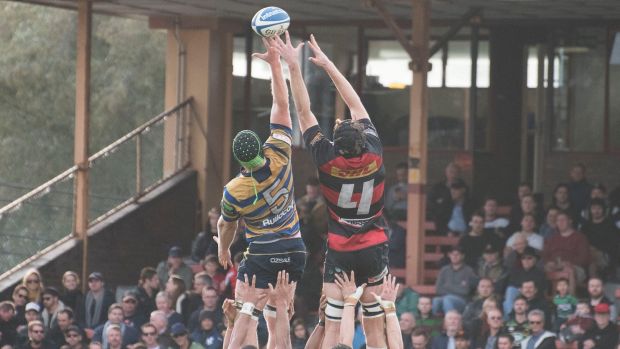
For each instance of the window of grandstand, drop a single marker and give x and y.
(614, 91)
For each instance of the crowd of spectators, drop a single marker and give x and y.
(531, 277)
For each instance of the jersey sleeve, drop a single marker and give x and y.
(322, 148)
(280, 139)
(230, 211)
(373, 143)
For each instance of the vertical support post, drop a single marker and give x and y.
(361, 61)
(418, 114)
(549, 97)
(247, 82)
(539, 135)
(82, 116)
(138, 164)
(473, 89)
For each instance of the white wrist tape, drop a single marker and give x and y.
(247, 308)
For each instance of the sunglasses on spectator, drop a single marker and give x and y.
(535, 322)
(179, 335)
(149, 334)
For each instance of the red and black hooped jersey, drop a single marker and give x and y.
(353, 189)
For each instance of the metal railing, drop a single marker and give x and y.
(119, 174)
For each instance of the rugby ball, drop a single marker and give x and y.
(270, 21)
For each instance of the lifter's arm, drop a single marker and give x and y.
(348, 94)
(280, 109)
(301, 98)
(226, 234)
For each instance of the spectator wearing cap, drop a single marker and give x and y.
(8, 324)
(97, 301)
(539, 338)
(454, 284)
(453, 215)
(490, 266)
(174, 265)
(32, 313)
(603, 235)
(596, 297)
(147, 289)
(474, 308)
(528, 269)
(208, 334)
(64, 319)
(604, 334)
(419, 339)
(129, 335)
(180, 334)
(452, 326)
(51, 306)
(474, 242)
(74, 337)
(131, 316)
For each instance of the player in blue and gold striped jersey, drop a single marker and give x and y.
(262, 195)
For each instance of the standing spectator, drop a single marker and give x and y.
(131, 317)
(34, 283)
(474, 242)
(536, 301)
(65, 318)
(203, 243)
(492, 222)
(419, 339)
(396, 195)
(148, 286)
(474, 308)
(20, 298)
(71, 296)
(440, 192)
(174, 265)
(489, 337)
(164, 304)
(407, 326)
(603, 236)
(96, 302)
(491, 267)
(561, 200)
(299, 335)
(426, 320)
(181, 338)
(596, 297)
(209, 300)
(454, 284)
(568, 250)
(36, 337)
(452, 216)
(528, 229)
(207, 333)
(313, 216)
(578, 188)
(129, 335)
(604, 334)
(51, 306)
(564, 302)
(517, 325)
(548, 228)
(540, 338)
(8, 324)
(527, 205)
(452, 325)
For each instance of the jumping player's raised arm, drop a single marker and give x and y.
(348, 94)
(290, 54)
(280, 109)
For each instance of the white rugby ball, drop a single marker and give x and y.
(270, 21)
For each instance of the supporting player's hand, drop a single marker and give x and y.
(289, 53)
(348, 288)
(247, 291)
(319, 58)
(223, 255)
(230, 312)
(271, 56)
(390, 288)
(283, 292)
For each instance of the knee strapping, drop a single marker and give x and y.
(372, 310)
(333, 310)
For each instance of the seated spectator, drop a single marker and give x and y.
(203, 244)
(97, 301)
(506, 341)
(439, 195)
(454, 284)
(494, 324)
(461, 340)
(299, 334)
(181, 337)
(175, 290)
(114, 338)
(8, 324)
(536, 301)
(34, 283)
(527, 205)
(577, 324)
(212, 268)
(528, 229)
(406, 300)
(194, 296)
(598, 191)
(516, 324)
(149, 336)
(492, 222)
(513, 259)
(562, 201)
(578, 187)
(476, 240)
(527, 271)
(491, 267)
(129, 335)
(74, 337)
(64, 319)
(33, 311)
(596, 297)
(174, 265)
(396, 195)
(604, 334)
(419, 339)
(147, 289)
(603, 236)
(407, 326)
(20, 298)
(564, 303)
(425, 320)
(51, 306)
(478, 325)
(164, 304)
(453, 215)
(474, 308)
(131, 317)
(397, 245)
(207, 333)
(567, 251)
(209, 303)
(542, 339)
(312, 210)
(36, 337)
(451, 327)
(71, 295)
(548, 228)
(159, 322)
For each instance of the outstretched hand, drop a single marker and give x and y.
(283, 291)
(247, 291)
(389, 290)
(271, 56)
(347, 285)
(289, 53)
(319, 58)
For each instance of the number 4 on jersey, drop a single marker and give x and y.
(346, 194)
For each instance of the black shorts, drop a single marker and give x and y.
(370, 264)
(270, 253)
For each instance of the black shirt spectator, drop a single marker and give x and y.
(451, 215)
(604, 334)
(474, 242)
(578, 187)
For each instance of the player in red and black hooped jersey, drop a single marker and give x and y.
(351, 174)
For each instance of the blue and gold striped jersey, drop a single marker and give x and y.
(274, 210)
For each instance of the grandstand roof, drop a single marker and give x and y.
(345, 10)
